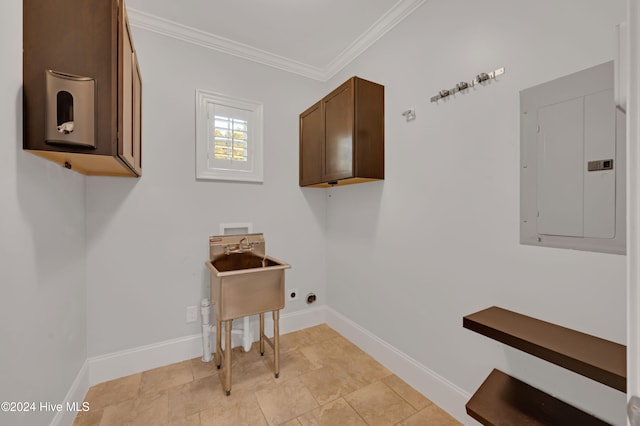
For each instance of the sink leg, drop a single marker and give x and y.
(216, 355)
(276, 342)
(227, 357)
(262, 334)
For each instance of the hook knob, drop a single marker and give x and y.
(482, 77)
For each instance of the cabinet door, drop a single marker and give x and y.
(137, 117)
(130, 80)
(311, 141)
(338, 112)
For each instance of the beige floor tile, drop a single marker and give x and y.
(364, 370)
(409, 394)
(249, 370)
(432, 415)
(148, 409)
(287, 400)
(292, 363)
(201, 369)
(113, 391)
(348, 347)
(334, 413)
(329, 353)
(379, 405)
(88, 418)
(322, 332)
(308, 336)
(235, 410)
(251, 376)
(327, 384)
(166, 377)
(191, 398)
(292, 422)
(239, 356)
(192, 420)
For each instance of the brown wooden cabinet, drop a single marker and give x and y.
(342, 136)
(92, 40)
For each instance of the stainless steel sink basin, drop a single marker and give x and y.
(237, 261)
(244, 284)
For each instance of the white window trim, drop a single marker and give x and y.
(204, 99)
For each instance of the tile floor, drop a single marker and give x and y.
(324, 380)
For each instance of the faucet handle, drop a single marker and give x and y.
(247, 243)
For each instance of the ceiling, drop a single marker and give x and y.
(314, 38)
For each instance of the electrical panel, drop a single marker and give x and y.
(572, 149)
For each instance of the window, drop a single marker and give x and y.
(228, 138)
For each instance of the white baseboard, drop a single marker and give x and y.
(442, 392)
(74, 397)
(123, 363)
(295, 321)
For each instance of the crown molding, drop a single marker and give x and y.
(201, 38)
(173, 29)
(386, 23)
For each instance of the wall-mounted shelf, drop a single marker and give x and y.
(599, 359)
(504, 400)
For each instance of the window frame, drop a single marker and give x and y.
(253, 172)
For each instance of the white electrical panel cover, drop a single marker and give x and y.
(572, 180)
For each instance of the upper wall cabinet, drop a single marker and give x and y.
(342, 136)
(82, 86)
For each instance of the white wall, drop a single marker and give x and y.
(633, 202)
(42, 255)
(147, 238)
(439, 238)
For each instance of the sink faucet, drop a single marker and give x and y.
(240, 248)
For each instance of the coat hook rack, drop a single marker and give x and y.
(463, 85)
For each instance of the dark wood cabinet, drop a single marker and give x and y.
(342, 136)
(92, 40)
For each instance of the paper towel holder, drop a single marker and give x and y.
(70, 109)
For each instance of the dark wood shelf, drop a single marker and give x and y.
(599, 359)
(504, 400)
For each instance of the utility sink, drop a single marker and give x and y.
(244, 281)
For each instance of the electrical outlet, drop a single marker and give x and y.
(292, 294)
(192, 314)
